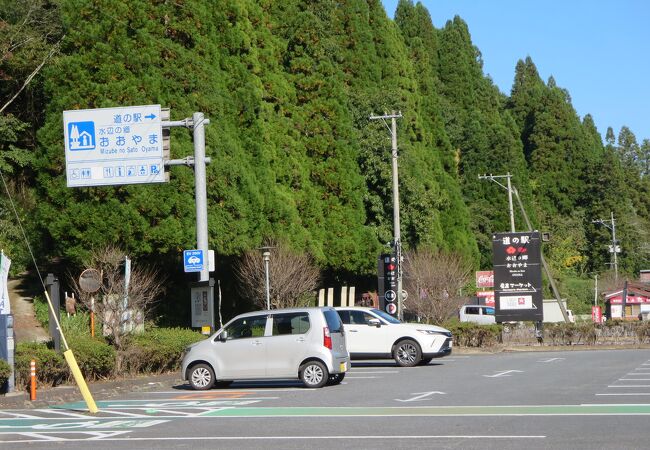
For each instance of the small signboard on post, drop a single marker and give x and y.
(113, 146)
(517, 276)
(193, 260)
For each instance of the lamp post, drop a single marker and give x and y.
(266, 257)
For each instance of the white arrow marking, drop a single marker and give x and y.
(550, 360)
(419, 396)
(505, 373)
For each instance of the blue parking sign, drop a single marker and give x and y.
(193, 260)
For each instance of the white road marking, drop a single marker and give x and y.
(355, 371)
(295, 438)
(230, 391)
(550, 360)
(63, 413)
(628, 385)
(358, 378)
(634, 379)
(123, 413)
(17, 415)
(505, 373)
(419, 396)
(627, 393)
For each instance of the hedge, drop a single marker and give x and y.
(467, 334)
(95, 357)
(158, 349)
(51, 367)
(5, 372)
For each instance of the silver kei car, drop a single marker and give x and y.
(303, 343)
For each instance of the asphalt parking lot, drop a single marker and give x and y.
(568, 399)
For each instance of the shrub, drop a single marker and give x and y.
(95, 357)
(51, 367)
(468, 334)
(158, 350)
(5, 372)
(643, 332)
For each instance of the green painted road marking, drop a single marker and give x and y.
(541, 410)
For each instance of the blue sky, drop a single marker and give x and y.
(597, 50)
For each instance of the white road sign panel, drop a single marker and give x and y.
(113, 146)
(517, 302)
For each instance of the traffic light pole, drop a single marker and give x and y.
(397, 241)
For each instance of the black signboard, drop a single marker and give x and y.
(517, 276)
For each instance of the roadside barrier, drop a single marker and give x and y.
(32, 390)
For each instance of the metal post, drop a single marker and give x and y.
(397, 238)
(596, 290)
(624, 300)
(200, 189)
(52, 285)
(614, 247)
(397, 242)
(554, 289)
(266, 255)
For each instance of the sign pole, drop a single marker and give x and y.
(200, 188)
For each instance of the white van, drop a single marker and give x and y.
(480, 314)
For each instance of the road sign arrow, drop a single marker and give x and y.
(150, 116)
(419, 396)
(505, 373)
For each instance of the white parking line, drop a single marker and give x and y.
(377, 371)
(628, 385)
(634, 379)
(14, 415)
(626, 393)
(63, 413)
(358, 378)
(230, 391)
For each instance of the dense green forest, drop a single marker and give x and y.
(289, 87)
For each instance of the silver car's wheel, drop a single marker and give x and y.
(201, 377)
(407, 353)
(314, 374)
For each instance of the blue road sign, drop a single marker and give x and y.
(193, 260)
(114, 146)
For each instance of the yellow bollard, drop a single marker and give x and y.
(83, 387)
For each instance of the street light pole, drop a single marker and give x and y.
(266, 257)
(397, 242)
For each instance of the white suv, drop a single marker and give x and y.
(304, 343)
(373, 334)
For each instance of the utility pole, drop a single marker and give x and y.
(508, 187)
(614, 248)
(397, 243)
